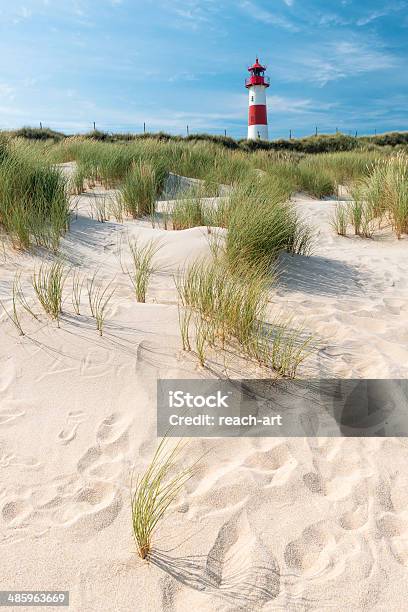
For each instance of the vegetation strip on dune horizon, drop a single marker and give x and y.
(259, 219)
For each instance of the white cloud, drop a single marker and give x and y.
(334, 61)
(280, 104)
(388, 9)
(268, 17)
(371, 17)
(332, 19)
(195, 12)
(185, 76)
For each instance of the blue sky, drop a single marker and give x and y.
(333, 64)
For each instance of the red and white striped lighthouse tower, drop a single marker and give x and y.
(257, 84)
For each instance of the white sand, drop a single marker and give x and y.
(267, 524)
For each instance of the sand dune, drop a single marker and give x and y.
(267, 524)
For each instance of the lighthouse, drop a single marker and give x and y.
(257, 84)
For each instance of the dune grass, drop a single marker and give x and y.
(396, 193)
(139, 191)
(362, 213)
(14, 314)
(283, 346)
(261, 224)
(99, 297)
(113, 163)
(321, 175)
(33, 200)
(188, 211)
(386, 189)
(18, 299)
(48, 283)
(116, 209)
(340, 219)
(142, 266)
(380, 199)
(203, 336)
(100, 209)
(76, 295)
(154, 492)
(232, 304)
(184, 317)
(221, 310)
(313, 179)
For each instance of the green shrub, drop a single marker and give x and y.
(31, 133)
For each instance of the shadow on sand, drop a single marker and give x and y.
(319, 276)
(247, 589)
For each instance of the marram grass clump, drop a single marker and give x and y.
(142, 266)
(154, 492)
(261, 224)
(48, 283)
(380, 198)
(225, 310)
(34, 206)
(99, 297)
(139, 191)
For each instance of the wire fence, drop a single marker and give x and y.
(233, 131)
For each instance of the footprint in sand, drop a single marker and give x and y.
(112, 435)
(315, 483)
(390, 525)
(383, 496)
(241, 567)
(113, 430)
(28, 463)
(393, 528)
(15, 512)
(271, 466)
(355, 518)
(302, 553)
(272, 459)
(74, 419)
(93, 508)
(92, 455)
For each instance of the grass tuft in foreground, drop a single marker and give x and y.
(155, 491)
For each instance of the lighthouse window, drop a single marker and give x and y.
(252, 98)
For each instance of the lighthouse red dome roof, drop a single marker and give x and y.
(256, 66)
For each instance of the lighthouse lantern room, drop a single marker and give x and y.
(257, 84)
